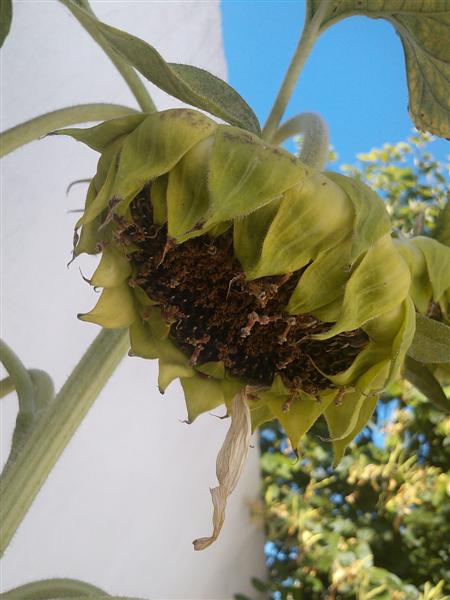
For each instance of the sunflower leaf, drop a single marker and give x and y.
(431, 343)
(423, 379)
(423, 28)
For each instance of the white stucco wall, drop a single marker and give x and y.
(130, 493)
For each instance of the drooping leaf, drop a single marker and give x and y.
(5, 19)
(431, 343)
(424, 29)
(423, 379)
(190, 84)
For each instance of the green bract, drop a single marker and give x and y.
(329, 234)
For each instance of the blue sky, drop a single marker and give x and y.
(354, 77)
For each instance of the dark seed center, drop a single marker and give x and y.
(217, 315)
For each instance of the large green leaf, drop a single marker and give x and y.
(5, 19)
(424, 28)
(423, 379)
(431, 343)
(190, 84)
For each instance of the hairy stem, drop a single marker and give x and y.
(307, 39)
(23, 479)
(315, 146)
(128, 73)
(22, 134)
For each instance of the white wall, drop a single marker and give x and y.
(130, 492)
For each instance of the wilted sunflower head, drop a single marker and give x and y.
(241, 268)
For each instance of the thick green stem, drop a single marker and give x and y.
(309, 35)
(26, 474)
(128, 73)
(315, 147)
(22, 134)
(48, 589)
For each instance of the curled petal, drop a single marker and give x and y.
(230, 464)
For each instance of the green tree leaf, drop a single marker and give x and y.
(431, 343)
(424, 28)
(423, 379)
(190, 84)
(5, 19)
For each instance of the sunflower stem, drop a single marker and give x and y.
(130, 76)
(23, 478)
(22, 134)
(315, 147)
(308, 37)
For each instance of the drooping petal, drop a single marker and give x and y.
(379, 283)
(187, 192)
(156, 146)
(323, 280)
(101, 136)
(247, 173)
(371, 221)
(230, 464)
(342, 416)
(313, 217)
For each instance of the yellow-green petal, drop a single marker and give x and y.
(437, 258)
(371, 221)
(323, 280)
(312, 217)
(114, 310)
(113, 269)
(158, 197)
(366, 411)
(342, 416)
(379, 283)
(201, 395)
(101, 201)
(172, 364)
(101, 136)
(187, 191)
(247, 173)
(156, 146)
(303, 411)
(421, 290)
(142, 340)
